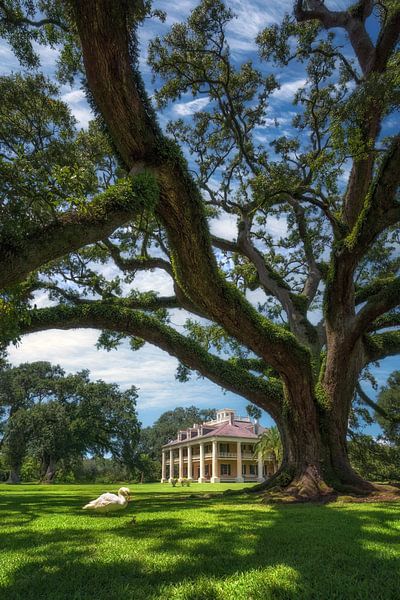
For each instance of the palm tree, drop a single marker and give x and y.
(270, 446)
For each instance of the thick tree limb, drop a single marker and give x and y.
(391, 319)
(381, 207)
(352, 20)
(387, 40)
(67, 233)
(378, 304)
(106, 45)
(363, 294)
(381, 345)
(225, 245)
(146, 302)
(102, 315)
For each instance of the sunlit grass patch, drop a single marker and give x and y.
(185, 547)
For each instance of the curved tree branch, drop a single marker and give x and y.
(381, 345)
(69, 232)
(106, 316)
(378, 304)
(352, 20)
(138, 264)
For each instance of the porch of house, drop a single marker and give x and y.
(230, 464)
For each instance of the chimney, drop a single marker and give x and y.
(256, 427)
(231, 418)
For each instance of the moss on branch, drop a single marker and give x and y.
(267, 394)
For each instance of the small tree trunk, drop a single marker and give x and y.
(50, 471)
(14, 476)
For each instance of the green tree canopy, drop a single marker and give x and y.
(53, 416)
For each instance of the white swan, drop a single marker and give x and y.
(110, 502)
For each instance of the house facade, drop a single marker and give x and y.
(217, 451)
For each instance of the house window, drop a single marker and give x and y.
(225, 469)
(207, 470)
(243, 469)
(252, 469)
(224, 447)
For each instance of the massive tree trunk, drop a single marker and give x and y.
(301, 472)
(343, 365)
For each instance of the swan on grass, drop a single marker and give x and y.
(110, 502)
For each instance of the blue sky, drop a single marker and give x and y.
(150, 369)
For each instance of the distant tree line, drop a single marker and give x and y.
(51, 422)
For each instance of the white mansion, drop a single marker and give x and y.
(220, 450)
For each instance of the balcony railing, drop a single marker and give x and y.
(245, 456)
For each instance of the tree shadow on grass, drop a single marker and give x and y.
(234, 549)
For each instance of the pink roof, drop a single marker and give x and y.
(238, 429)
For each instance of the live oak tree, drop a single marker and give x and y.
(333, 180)
(57, 417)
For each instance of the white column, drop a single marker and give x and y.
(260, 476)
(202, 478)
(163, 469)
(180, 463)
(189, 463)
(171, 465)
(239, 476)
(214, 478)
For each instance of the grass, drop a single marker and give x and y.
(184, 548)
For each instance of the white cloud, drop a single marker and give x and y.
(8, 62)
(287, 90)
(157, 280)
(79, 107)
(224, 227)
(185, 109)
(277, 227)
(74, 97)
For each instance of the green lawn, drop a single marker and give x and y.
(191, 548)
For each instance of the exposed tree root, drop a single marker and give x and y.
(309, 486)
